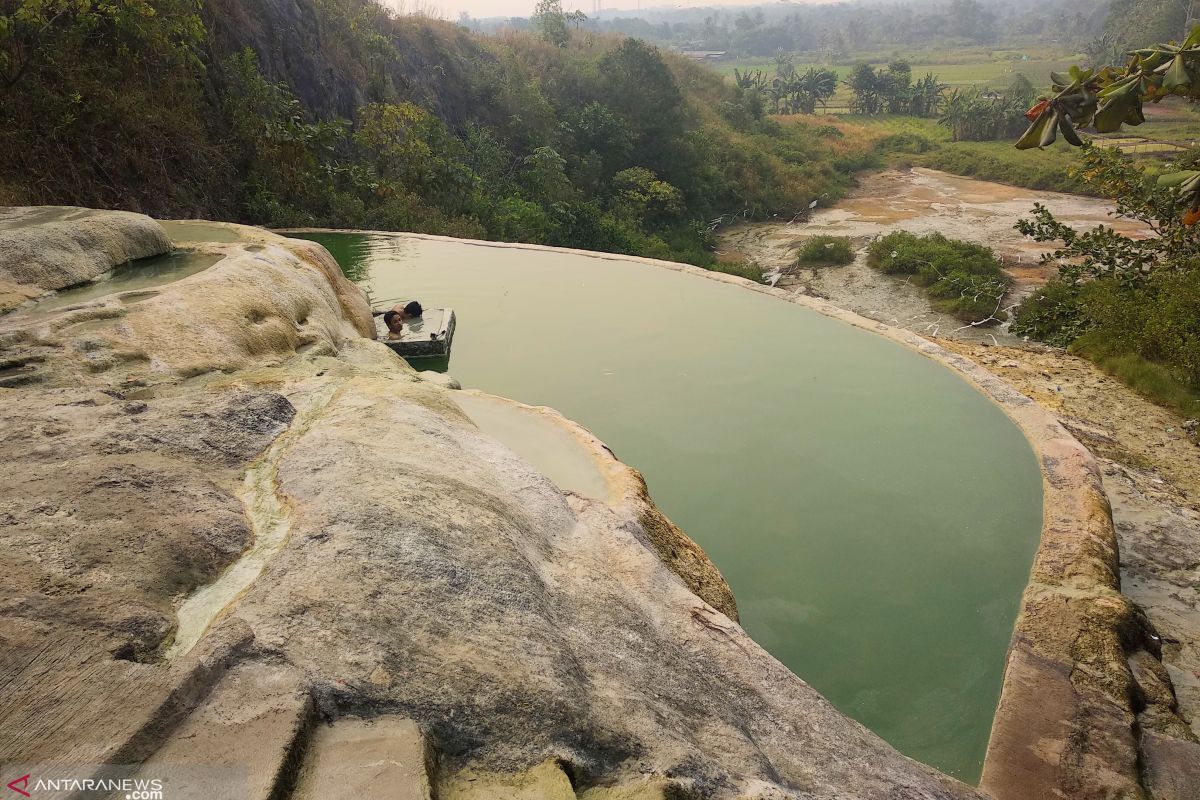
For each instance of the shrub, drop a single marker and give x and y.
(743, 269)
(961, 278)
(825, 251)
(1051, 314)
(911, 143)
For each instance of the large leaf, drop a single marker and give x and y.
(1110, 116)
(1068, 131)
(1050, 133)
(1173, 179)
(1033, 136)
(1177, 77)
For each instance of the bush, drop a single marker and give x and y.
(743, 269)
(1158, 320)
(962, 279)
(825, 251)
(1051, 314)
(911, 143)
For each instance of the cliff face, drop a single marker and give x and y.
(234, 531)
(330, 68)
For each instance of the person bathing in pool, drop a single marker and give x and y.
(395, 319)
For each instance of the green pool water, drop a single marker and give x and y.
(875, 515)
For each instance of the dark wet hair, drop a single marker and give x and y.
(388, 316)
(413, 309)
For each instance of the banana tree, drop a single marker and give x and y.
(815, 87)
(750, 80)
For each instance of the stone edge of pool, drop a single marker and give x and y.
(1066, 721)
(628, 492)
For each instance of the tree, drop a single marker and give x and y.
(102, 103)
(639, 87)
(544, 174)
(895, 85)
(577, 19)
(864, 82)
(551, 22)
(1131, 22)
(640, 194)
(815, 87)
(1022, 90)
(975, 116)
(927, 96)
(410, 148)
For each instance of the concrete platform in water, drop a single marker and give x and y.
(427, 336)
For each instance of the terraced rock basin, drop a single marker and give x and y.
(875, 515)
(134, 280)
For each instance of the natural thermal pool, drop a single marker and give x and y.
(875, 515)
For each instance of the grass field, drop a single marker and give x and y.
(962, 69)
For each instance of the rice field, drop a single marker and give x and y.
(985, 71)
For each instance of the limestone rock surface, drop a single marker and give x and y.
(44, 248)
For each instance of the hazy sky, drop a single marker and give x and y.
(522, 8)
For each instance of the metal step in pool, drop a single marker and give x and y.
(428, 336)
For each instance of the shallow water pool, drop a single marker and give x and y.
(133, 276)
(875, 515)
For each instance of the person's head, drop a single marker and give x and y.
(394, 321)
(413, 310)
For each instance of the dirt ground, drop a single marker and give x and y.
(921, 201)
(1149, 455)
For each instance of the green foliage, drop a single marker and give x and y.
(1132, 300)
(909, 143)
(1051, 314)
(1130, 23)
(963, 279)
(751, 271)
(1108, 97)
(608, 144)
(1000, 162)
(825, 251)
(640, 195)
(89, 88)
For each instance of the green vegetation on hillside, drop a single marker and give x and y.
(606, 144)
(961, 278)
